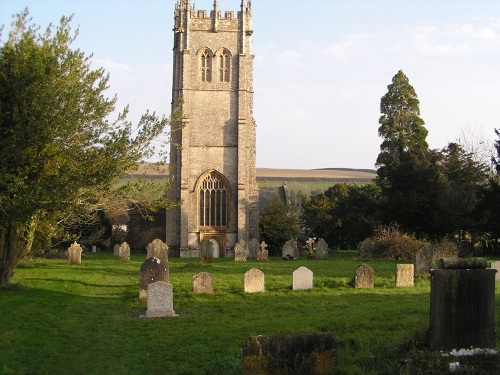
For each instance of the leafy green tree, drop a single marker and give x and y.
(407, 171)
(277, 225)
(496, 160)
(61, 153)
(343, 215)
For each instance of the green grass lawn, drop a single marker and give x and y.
(59, 318)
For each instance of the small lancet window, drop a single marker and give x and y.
(213, 194)
(205, 66)
(224, 60)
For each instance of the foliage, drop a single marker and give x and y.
(277, 225)
(496, 160)
(343, 215)
(61, 153)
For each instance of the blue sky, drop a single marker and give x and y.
(321, 67)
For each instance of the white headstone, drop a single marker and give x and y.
(302, 279)
(254, 281)
(496, 265)
(160, 300)
(75, 253)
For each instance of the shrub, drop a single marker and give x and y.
(389, 241)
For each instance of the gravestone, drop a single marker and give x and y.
(405, 275)
(116, 250)
(160, 300)
(206, 251)
(321, 249)
(94, 248)
(302, 279)
(290, 250)
(254, 281)
(124, 252)
(75, 253)
(263, 255)
(253, 248)
(152, 270)
(363, 277)
(310, 243)
(158, 249)
(312, 354)
(365, 248)
(462, 305)
(241, 251)
(425, 259)
(496, 266)
(203, 283)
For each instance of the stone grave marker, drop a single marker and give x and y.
(302, 279)
(425, 259)
(241, 251)
(124, 252)
(363, 277)
(75, 253)
(263, 255)
(206, 250)
(321, 249)
(365, 248)
(152, 270)
(203, 283)
(254, 281)
(405, 275)
(462, 305)
(160, 300)
(312, 354)
(310, 242)
(290, 250)
(253, 248)
(116, 250)
(158, 249)
(496, 266)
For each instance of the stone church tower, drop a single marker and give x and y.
(212, 153)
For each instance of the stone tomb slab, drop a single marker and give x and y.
(160, 300)
(312, 354)
(405, 275)
(302, 279)
(254, 281)
(203, 283)
(363, 277)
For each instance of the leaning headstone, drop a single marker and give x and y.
(314, 354)
(321, 249)
(75, 253)
(363, 277)
(116, 249)
(496, 266)
(425, 259)
(160, 300)
(158, 249)
(263, 255)
(462, 305)
(124, 252)
(290, 250)
(203, 283)
(254, 281)
(253, 248)
(302, 279)
(241, 251)
(405, 275)
(152, 270)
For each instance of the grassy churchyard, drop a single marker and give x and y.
(59, 318)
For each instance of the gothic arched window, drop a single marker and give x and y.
(205, 60)
(213, 196)
(224, 65)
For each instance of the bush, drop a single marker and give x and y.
(389, 241)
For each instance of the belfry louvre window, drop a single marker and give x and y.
(206, 66)
(213, 192)
(224, 66)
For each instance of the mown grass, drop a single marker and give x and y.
(84, 319)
